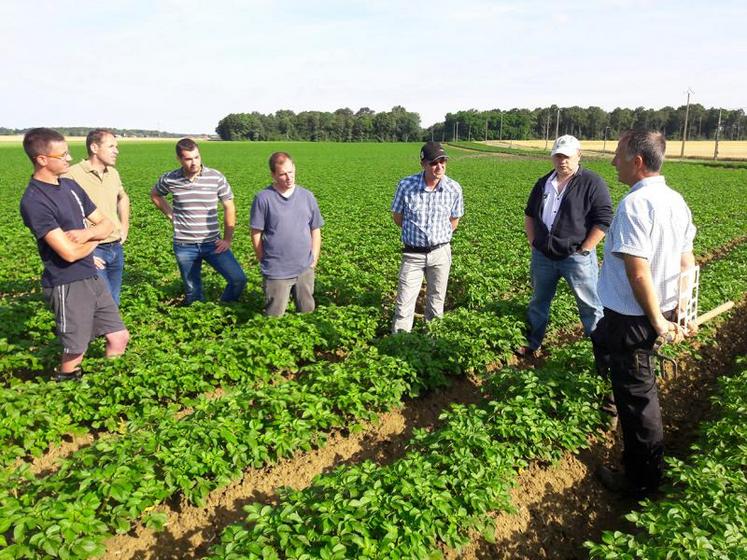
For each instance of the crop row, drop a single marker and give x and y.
(452, 477)
(703, 512)
(102, 489)
(444, 485)
(210, 350)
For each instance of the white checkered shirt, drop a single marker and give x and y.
(426, 214)
(652, 222)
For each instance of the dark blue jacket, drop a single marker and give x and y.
(586, 203)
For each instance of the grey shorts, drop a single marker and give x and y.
(83, 310)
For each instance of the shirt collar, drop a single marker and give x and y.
(202, 169)
(647, 181)
(88, 168)
(439, 185)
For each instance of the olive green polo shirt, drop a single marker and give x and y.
(105, 189)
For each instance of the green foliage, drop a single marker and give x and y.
(703, 513)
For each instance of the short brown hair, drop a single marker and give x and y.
(37, 140)
(96, 136)
(185, 145)
(277, 158)
(649, 144)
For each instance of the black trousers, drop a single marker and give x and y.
(622, 348)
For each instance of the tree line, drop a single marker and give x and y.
(400, 125)
(588, 123)
(365, 125)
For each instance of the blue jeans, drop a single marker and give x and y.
(581, 273)
(189, 257)
(113, 257)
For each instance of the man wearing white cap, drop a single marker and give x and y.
(566, 216)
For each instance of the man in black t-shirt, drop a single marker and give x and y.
(55, 210)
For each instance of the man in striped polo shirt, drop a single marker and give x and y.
(427, 206)
(195, 190)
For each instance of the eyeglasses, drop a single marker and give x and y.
(441, 161)
(63, 155)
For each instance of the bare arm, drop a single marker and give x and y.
(316, 245)
(101, 228)
(66, 248)
(397, 217)
(162, 204)
(123, 211)
(229, 225)
(259, 251)
(592, 239)
(529, 229)
(454, 223)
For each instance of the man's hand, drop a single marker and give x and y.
(222, 245)
(99, 262)
(123, 239)
(672, 332)
(78, 235)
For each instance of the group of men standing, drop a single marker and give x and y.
(80, 218)
(80, 214)
(634, 300)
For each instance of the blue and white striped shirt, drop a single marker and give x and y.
(426, 214)
(652, 222)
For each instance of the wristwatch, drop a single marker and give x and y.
(583, 252)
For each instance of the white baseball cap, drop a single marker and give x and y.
(567, 145)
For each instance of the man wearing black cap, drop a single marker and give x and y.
(427, 206)
(566, 216)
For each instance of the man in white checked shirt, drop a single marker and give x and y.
(427, 206)
(650, 241)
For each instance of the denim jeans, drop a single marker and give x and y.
(189, 257)
(113, 257)
(581, 273)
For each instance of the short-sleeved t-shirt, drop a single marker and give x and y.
(45, 207)
(286, 225)
(195, 203)
(652, 222)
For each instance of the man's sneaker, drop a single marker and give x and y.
(617, 482)
(74, 375)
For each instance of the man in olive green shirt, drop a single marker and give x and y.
(98, 177)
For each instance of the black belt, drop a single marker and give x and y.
(109, 243)
(411, 249)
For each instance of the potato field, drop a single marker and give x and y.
(223, 434)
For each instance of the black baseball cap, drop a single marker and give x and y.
(432, 151)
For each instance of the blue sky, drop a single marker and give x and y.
(182, 65)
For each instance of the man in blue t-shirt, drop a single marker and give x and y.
(56, 210)
(286, 235)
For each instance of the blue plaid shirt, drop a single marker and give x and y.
(426, 214)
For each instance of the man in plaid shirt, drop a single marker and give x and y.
(427, 206)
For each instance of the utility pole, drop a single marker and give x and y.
(684, 130)
(500, 132)
(547, 128)
(557, 124)
(718, 130)
(486, 129)
(457, 131)
(469, 132)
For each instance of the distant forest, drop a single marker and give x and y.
(400, 125)
(83, 130)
